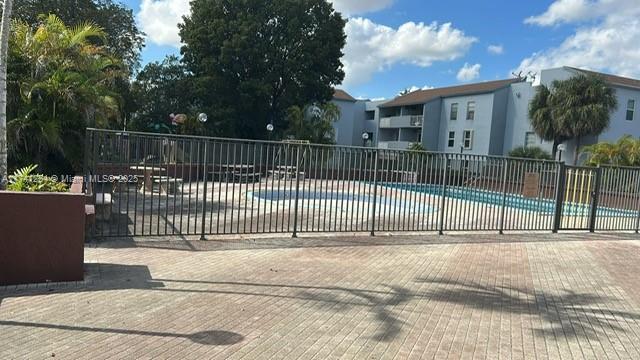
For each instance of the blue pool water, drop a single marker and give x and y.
(310, 196)
(513, 201)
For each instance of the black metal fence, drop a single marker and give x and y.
(149, 184)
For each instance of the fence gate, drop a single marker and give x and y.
(578, 198)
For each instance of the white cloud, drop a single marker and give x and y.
(159, 20)
(373, 47)
(609, 42)
(469, 72)
(352, 7)
(495, 49)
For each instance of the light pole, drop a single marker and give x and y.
(561, 148)
(270, 129)
(365, 137)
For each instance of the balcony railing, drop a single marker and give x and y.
(404, 121)
(394, 145)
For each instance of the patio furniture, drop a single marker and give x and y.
(167, 185)
(148, 172)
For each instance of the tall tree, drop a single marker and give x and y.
(582, 106)
(122, 36)
(572, 109)
(4, 46)
(160, 89)
(252, 59)
(542, 121)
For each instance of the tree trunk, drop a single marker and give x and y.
(576, 152)
(4, 46)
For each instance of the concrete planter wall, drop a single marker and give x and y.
(41, 237)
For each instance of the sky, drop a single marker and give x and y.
(398, 44)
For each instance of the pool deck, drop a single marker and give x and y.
(568, 296)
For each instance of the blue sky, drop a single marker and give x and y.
(397, 44)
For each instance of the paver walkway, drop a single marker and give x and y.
(464, 296)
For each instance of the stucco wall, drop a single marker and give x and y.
(481, 125)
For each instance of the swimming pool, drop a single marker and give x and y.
(540, 205)
(314, 198)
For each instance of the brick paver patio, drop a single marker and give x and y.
(463, 296)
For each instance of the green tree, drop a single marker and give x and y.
(313, 123)
(122, 36)
(572, 109)
(530, 152)
(542, 121)
(582, 106)
(69, 86)
(624, 152)
(160, 89)
(252, 59)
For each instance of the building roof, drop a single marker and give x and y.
(424, 96)
(342, 95)
(612, 79)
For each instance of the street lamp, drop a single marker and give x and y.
(561, 148)
(202, 117)
(270, 129)
(365, 137)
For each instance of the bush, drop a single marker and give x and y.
(416, 147)
(530, 152)
(23, 180)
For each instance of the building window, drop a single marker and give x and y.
(419, 137)
(370, 115)
(452, 139)
(631, 108)
(454, 111)
(530, 139)
(467, 139)
(471, 110)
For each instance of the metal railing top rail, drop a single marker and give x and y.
(281, 142)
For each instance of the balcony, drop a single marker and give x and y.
(404, 121)
(394, 145)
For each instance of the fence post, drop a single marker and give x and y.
(375, 193)
(505, 167)
(445, 178)
(204, 192)
(560, 185)
(295, 206)
(593, 213)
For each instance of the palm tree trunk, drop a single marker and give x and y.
(4, 46)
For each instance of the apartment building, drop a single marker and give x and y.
(486, 118)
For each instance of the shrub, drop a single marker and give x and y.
(530, 152)
(416, 147)
(23, 180)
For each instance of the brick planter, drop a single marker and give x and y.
(41, 237)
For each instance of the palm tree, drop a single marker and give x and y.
(582, 106)
(68, 87)
(572, 109)
(4, 46)
(313, 123)
(624, 152)
(542, 121)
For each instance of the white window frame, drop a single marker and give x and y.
(469, 110)
(631, 109)
(526, 136)
(464, 139)
(451, 141)
(451, 117)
